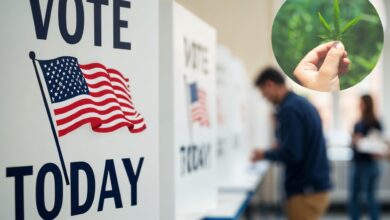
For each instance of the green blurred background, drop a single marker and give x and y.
(297, 27)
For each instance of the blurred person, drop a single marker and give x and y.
(365, 170)
(300, 147)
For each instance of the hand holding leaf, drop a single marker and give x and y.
(321, 67)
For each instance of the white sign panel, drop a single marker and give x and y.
(188, 86)
(79, 109)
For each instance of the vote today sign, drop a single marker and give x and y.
(79, 109)
(188, 113)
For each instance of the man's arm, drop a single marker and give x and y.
(291, 139)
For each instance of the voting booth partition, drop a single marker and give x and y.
(233, 114)
(79, 110)
(238, 178)
(188, 114)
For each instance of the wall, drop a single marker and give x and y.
(243, 26)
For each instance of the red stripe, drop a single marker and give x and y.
(119, 116)
(108, 120)
(119, 125)
(105, 92)
(123, 104)
(114, 71)
(93, 121)
(85, 102)
(92, 65)
(196, 117)
(89, 110)
(124, 91)
(108, 78)
(194, 110)
(138, 130)
(96, 75)
(118, 81)
(120, 96)
(102, 93)
(202, 121)
(101, 66)
(114, 128)
(96, 123)
(99, 84)
(105, 83)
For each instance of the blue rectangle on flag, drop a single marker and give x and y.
(64, 78)
(194, 92)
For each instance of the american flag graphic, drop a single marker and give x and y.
(199, 112)
(89, 94)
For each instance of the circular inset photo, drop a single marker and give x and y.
(327, 45)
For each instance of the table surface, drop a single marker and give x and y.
(230, 205)
(249, 180)
(233, 197)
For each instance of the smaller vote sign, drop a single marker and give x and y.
(189, 109)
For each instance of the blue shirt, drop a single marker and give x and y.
(301, 147)
(363, 129)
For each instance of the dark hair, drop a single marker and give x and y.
(368, 114)
(270, 74)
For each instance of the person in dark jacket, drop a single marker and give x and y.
(300, 147)
(365, 170)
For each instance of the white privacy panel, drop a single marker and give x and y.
(188, 112)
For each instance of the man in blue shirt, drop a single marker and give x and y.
(300, 147)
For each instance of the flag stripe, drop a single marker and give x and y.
(90, 110)
(87, 101)
(103, 119)
(126, 110)
(104, 75)
(199, 109)
(92, 121)
(101, 66)
(96, 124)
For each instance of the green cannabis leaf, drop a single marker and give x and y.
(337, 32)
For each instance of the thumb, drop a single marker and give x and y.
(331, 64)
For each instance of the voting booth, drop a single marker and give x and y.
(188, 114)
(234, 121)
(79, 112)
